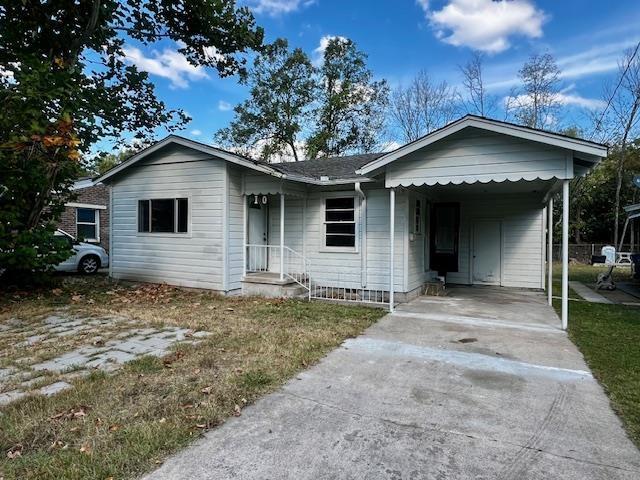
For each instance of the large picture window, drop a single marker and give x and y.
(340, 222)
(87, 224)
(163, 215)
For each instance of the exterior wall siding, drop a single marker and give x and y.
(235, 254)
(194, 259)
(522, 229)
(477, 155)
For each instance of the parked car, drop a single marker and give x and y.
(88, 258)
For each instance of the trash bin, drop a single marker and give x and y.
(635, 262)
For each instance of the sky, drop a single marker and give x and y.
(402, 37)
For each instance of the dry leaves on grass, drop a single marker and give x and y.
(15, 451)
(72, 413)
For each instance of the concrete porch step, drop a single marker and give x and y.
(268, 284)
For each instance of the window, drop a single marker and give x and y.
(88, 224)
(164, 215)
(417, 217)
(340, 222)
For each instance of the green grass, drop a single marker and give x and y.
(609, 338)
(131, 420)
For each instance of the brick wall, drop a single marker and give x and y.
(95, 195)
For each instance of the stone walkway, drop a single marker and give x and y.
(44, 357)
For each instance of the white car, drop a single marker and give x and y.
(87, 259)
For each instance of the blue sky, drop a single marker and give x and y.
(402, 37)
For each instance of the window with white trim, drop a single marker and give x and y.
(88, 224)
(340, 222)
(163, 215)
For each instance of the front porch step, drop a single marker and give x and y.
(267, 278)
(268, 284)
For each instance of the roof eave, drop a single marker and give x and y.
(576, 145)
(175, 139)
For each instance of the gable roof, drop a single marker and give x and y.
(201, 147)
(333, 168)
(590, 151)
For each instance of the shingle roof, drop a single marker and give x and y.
(332, 167)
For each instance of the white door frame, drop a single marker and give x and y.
(472, 250)
(264, 208)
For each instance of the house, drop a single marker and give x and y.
(87, 217)
(469, 203)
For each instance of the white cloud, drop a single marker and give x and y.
(167, 64)
(278, 7)
(224, 106)
(485, 25)
(196, 132)
(318, 52)
(565, 97)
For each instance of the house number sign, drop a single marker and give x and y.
(260, 199)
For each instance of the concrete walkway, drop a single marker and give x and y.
(478, 385)
(587, 294)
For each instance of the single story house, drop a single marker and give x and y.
(87, 217)
(468, 203)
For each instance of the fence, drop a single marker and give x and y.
(582, 252)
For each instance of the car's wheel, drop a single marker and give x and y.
(89, 264)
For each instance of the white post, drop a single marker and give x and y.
(244, 235)
(392, 221)
(565, 254)
(282, 236)
(550, 251)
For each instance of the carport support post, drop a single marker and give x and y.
(565, 254)
(392, 233)
(282, 236)
(550, 251)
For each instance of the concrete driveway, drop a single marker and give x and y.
(480, 385)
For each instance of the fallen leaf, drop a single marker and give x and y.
(86, 449)
(115, 427)
(76, 298)
(201, 425)
(237, 411)
(56, 291)
(15, 451)
(206, 390)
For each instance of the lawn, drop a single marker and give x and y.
(122, 424)
(609, 338)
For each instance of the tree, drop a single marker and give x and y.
(477, 100)
(536, 103)
(622, 120)
(65, 83)
(350, 114)
(282, 89)
(106, 161)
(422, 107)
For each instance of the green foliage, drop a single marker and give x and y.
(106, 161)
(592, 212)
(337, 106)
(282, 88)
(352, 105)
(65, 85)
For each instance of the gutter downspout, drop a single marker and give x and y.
(363, 234)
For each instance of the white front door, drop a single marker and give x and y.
(257, 235)
(487, 252)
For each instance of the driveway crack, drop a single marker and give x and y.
(436, 429)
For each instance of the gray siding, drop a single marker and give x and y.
(416, 259)
(473, 155)
(522, 230)
(378, 240)
(235, 229)
(194, 259)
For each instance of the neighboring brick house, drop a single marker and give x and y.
(87, 217)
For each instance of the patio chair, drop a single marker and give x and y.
(605, 280)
